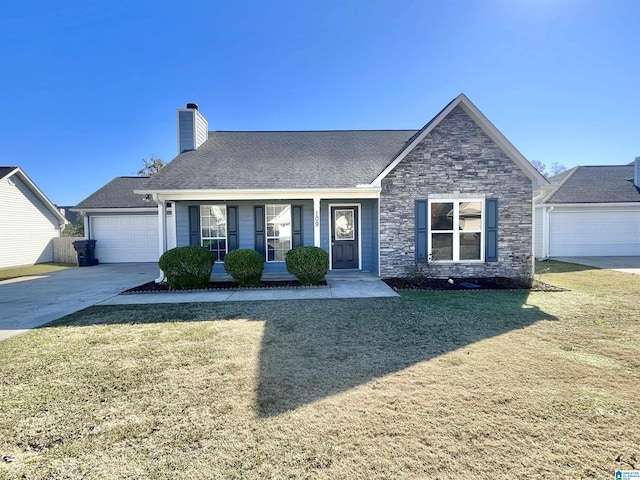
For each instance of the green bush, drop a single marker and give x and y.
(308, 264)
(245, 266)
(187, 267)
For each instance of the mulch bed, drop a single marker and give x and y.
(491, 283)
(153, 287)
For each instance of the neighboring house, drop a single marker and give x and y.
(28, 221)
(124, 225)
(590, 211)
(455, 196)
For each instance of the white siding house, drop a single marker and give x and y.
(28, 221)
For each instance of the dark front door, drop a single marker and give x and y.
(344, 237)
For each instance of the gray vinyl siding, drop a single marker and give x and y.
(185, 130)
(27, 226)
(246, 229)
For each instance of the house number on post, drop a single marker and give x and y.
(317, 219)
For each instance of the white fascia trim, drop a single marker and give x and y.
(592, 205)
(272, 194)
(151, 210)
(38, 193)
(483, 122)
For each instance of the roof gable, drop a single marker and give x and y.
(7, 172)
(483, 122)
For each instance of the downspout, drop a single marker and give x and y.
(162, 228)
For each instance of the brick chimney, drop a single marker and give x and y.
(193, 128)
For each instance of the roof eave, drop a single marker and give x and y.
(359, 191)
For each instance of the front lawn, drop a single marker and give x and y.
(469, 384)
(30, 270)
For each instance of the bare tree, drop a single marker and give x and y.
(151, 166)
(555, 168)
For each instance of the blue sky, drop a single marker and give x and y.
(88, 89)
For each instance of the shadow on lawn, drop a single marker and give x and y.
(312, 349)
(339, 348)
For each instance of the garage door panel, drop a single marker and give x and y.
(126, 238)
(595, 233)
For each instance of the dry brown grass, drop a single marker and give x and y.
(29, 270)
(432, 385)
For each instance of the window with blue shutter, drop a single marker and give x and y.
(259, 229)
(296, 226)
(421, 231)
(194, 225)
(491, 230)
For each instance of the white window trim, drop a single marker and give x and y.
(226, 237)
(456, 237)
(266, 230)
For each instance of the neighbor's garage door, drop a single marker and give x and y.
(127, 238)
(576, 233)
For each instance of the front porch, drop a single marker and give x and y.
(346, 228)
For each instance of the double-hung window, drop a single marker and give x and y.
(278, 221)
(213, 227)
(455, 230)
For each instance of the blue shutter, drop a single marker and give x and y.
(194, 225)
(296, 226)
(491, 230)
(232, 228)
(260, 233)
(421, 231)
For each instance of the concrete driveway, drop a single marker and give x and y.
(28, 302)
(619, 264)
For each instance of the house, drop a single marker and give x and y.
(590, 211)
(124, 224)
(28, 221)
(455, 197)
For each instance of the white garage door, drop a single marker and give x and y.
(126, 238)
(613, 232)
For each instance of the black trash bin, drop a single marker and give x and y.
(85, 250)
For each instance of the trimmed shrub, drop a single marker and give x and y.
(308, 264)
(245, 266)
(187, 267)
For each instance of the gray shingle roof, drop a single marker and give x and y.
(4, 171)
(605, 184)
(118, 193)
(272, 160)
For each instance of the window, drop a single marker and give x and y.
(455, 230)
(278, 231)
(213, 229)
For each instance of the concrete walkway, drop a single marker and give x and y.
(619, 264)
(29, 302)
(339, 285)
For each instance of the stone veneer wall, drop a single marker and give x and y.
(457, 159)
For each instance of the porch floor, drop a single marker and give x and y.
(340, 284)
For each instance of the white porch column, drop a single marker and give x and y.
(162, 229)
(172, 234)
(316, 222)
